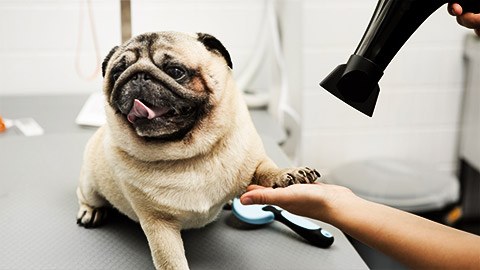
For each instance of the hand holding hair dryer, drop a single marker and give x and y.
(392, 24)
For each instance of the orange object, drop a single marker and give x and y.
(454, 215)
(2, 125)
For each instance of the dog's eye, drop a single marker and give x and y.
(116, 75)
(175, 72)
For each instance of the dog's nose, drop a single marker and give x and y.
(140, 77)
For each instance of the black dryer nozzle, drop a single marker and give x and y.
(355, 83)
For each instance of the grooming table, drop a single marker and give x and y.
(38, 206)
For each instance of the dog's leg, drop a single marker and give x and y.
(165, 243)
(93, 210)
(93, 206)
(269, 175)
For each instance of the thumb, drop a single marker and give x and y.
(260, 196)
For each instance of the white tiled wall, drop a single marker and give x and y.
(39, 39)
(38, 43)
(417, 115)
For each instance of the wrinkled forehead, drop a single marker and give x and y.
(182, 47)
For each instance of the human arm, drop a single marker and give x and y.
(467, 19)
(412, 240)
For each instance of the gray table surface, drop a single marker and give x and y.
(38, 177)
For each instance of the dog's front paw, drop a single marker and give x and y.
(90, 217)
(293, 176)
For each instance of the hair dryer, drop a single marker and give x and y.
(392, 24)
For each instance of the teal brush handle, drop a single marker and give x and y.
(308, 230)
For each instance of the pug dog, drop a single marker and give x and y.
(178, 143)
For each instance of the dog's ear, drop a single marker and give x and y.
(105, 61)
(213, 44)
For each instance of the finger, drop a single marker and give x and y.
(455, 9)
(469, 20)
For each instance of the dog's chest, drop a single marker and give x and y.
(194, 189)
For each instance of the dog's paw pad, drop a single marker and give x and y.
(90, 217)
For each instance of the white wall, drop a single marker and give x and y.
(38, 41)
(416, 117)
(38, 44)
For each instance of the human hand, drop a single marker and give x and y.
(467, 19)
(318, 201)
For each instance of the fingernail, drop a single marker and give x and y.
(247, 201)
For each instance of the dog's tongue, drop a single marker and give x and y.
(140, 110)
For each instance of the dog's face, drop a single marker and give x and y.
(162, 85)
